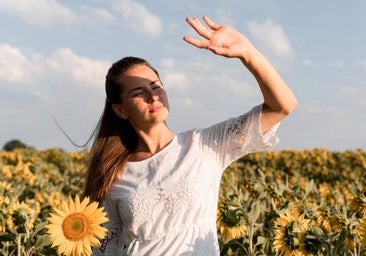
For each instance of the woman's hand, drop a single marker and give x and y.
(221, 40)
(279, 100)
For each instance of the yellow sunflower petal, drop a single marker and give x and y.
(76, 227)
(86, 246)
(72, 204)
(91, 209)
(84, 203)
(65, 208)
(60, 212)
(78, 205)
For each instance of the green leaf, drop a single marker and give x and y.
(42, 241)
(8, 237)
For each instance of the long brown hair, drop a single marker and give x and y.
(115, 138)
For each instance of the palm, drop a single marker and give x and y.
(221, 40)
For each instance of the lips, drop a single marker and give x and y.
(156, 108)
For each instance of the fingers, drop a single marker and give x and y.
(195, 42)
(200, 28)
(210, 23)
(202, 31)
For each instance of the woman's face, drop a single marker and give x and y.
(144, 99)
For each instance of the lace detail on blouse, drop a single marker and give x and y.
(239, 128)
(112, 234)
(149, 199)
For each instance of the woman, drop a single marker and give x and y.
(160, 189)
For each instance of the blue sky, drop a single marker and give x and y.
(54, 56)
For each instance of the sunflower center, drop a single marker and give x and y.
(75, 226)
(234, 217)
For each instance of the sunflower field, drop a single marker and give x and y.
(285, 202)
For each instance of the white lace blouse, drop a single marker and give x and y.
(167, 204)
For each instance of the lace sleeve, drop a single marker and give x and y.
(244, 135)
(239, 136)
(111, 243)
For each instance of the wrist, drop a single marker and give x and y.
(250, 55)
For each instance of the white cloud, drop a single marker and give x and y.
(338, 64)
(96, 18)
(40, 12)
(98, 13)
(82, 69)
(14, 66)
(167, 63)
(175, 81)
(63, 70)
(48, 13)
(271, 37)
(138, 17)
(36, 88)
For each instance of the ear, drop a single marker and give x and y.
(118, 109)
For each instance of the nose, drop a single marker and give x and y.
(151, 96)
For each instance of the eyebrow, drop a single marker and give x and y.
(140, 87)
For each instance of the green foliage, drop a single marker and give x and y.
(33, 182)
(313, 199)
(327, 189)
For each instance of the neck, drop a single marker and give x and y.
(151, 142)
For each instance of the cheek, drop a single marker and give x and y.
(131, 107)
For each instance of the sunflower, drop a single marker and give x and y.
(326, 193)
(231, 220)
(313, 241)
(347, 192)
(5, 188)
(55, 199)
(362, 230)
(4, 205)
(76, 227)
(329, 219)
(358, 204)
(21, 217)
(289, 230)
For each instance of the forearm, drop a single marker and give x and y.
(278, 97)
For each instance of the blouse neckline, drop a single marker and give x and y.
(156, 155)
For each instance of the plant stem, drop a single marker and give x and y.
(19, 242)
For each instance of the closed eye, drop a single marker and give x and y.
(156, 85)
(138, 93)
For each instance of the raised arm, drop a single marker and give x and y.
(279, 101)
